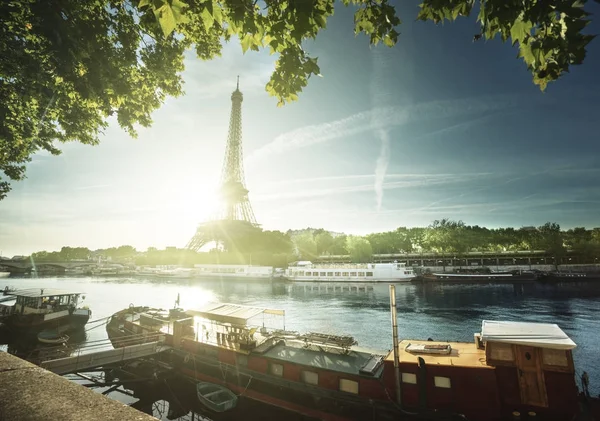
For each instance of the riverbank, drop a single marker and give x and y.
(30, 393)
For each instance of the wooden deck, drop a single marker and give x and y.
(463, 354)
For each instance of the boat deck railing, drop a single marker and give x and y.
(99, 353)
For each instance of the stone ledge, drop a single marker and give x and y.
(30, 393)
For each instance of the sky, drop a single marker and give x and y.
(436, 127)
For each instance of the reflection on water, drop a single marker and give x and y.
(439, 311)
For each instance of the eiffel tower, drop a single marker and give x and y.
(235, 217)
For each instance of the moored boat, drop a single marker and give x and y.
(4, 274)
(234, 272)
(38, 309)
(563, 276)
(365, 272)
(216, 397)
(486, 277)
(510, 367)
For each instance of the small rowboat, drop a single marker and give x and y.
(215, 397)
(52, 337)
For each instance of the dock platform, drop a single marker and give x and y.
(82, 362)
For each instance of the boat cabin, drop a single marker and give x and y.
(511, 369)
(44, 301)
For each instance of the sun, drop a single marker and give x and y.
(203, 204)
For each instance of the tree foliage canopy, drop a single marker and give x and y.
(67, 66)
(445, 236)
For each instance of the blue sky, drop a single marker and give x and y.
(436, 127)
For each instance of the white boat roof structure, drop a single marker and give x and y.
(542, 335)
(232, 313)
(42, 292)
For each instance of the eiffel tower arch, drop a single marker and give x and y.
(234, 219)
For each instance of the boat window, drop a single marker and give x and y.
(276, 369)
(443, 382)
(315, 273)
(242, 360)
(344, 273)
(409, 378)
(369, 273)
(555, 357)
(349, 386)
(338, 274)
(301, 273)
(323, 274)
(310, 377)
(30, 302)
(352, 273)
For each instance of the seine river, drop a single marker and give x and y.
(438, 311)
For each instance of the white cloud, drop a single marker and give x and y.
(396, 181)
(381, 118)
(381, 166)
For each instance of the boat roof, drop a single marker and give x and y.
(42, 292)
(462, 354)
(8, 303)
(542, 335)
(298, 353)
(231, 313)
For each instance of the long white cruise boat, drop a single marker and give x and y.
(364, 272)
(233, 271)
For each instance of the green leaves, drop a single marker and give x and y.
(207, 19)
(378, 20)
(520, 30)
(168, 13)
(549, 33)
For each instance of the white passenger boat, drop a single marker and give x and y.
(174, 273)
(364, 272)
(242, 272)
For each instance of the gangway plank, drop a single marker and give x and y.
(100, 358)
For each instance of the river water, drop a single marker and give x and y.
(438, 311)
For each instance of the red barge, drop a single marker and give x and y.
(511, 370)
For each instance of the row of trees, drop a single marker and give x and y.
(448, 236)
(67, 254)
(277, 248)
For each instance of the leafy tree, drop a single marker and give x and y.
(551, 240)
(338, 247)
(402, 240)
(275, 242)
(417, 238)
(359, 248)
(306, 246)
(67, 66)
(324, 242)
(549, 33)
